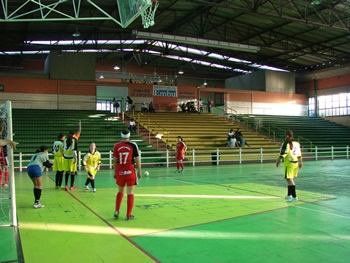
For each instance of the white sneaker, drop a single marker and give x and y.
(289, 198)
(38, 205)
(292, 199)
(87, 187)
(94, 189)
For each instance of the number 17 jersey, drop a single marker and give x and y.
(125, 153)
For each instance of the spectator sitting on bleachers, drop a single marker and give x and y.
(183, 107)
(240, 140)
(132, 126)
(231, 139)
(144, 107)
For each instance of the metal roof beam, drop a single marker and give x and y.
(20, 14)
(275, 12)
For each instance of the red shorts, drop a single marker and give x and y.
(3, 160)
(180, 157)
(125, 179)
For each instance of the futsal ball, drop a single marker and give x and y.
(146, 173)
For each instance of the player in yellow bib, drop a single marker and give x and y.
(91, 162)
(291, 154)
(70, 160)
(58, 162)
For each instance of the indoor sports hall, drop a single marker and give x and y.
(174, 131)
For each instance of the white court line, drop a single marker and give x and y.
(207, 196)
(297, 206)
(323, 212)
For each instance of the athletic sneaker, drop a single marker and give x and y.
(287, 197)
(87, 187)
(116, 214)
(94, 189)
(177, 171)
(66, 188)
(38, 205)
(181, 171)
(294, 199)
(6, 185)
(130, 217)
(72, 188)
(291, 198)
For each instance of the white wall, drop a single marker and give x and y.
(45, 101)
(268, 108)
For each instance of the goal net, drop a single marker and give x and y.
(7, 183)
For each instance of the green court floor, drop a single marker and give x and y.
(234, 213)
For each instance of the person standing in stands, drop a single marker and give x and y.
(151, 108)
(125, 154)
(210, 102)
(131, 107)
(70, 149)
(58, 163)
(291, 154)
(36, 166)
(180, 154)
(116, 105)
(200, 106)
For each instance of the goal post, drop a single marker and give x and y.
(11, 164)
(8, 194)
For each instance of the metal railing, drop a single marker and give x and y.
(153, 128)
(215, 156)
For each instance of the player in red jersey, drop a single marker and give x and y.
(180, 154)
(125, 154)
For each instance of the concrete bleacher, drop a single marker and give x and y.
(203, 132)
(33, 128)
(321, 132)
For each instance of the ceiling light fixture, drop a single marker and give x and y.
(76, 33)
(116, 67)
(101, 76)
(181, 71)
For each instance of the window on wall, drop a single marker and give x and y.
(311, 106)
(104, 105)
(331, 105)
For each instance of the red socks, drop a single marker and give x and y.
(177, 165)
(118, 201)
(6, 177)
(130, 204)
(182, 166)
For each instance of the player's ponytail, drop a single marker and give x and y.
(69, 140)
(289, 135)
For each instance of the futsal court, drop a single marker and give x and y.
(233, 213)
